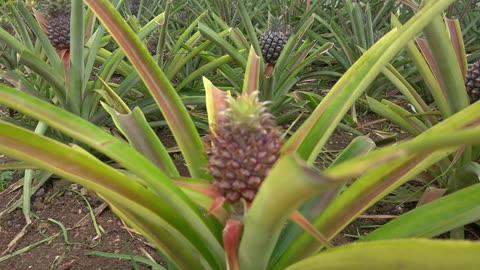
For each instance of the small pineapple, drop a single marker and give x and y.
(56, 14)
(182, 16)
(134, 6)
(273, 40)
(5, 24)
(472, 82)
(245, 145)
(152, 43)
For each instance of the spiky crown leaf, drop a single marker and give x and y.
(3, 21)
(245, 110)
(53, 6)
(276, 24)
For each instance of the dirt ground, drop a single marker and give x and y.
(44, 245)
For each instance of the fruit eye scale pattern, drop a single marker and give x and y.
(245, 146)
(58, 29)
(5, 25)
(272, 44)
(134, 6)
(57, 22)
(472, 82)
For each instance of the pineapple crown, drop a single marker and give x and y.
(276, 24)
(3, 21)
(246, 110)
(53, 6)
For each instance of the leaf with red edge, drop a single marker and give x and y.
(204, 188)
(307, 226)
(423, 45)
(159, 86)
(410, 4)
(217, 204)
(216, 101)
(252, 73)
(65, 56)
(456, 37)
(206, 196)
(431, 194)
(231, 239)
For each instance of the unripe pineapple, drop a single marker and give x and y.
(152, 43)
(5, 24)
(183, 17)
(56, 14)
(273, 40)
(472, 82)
(134, 6)
(245, 145)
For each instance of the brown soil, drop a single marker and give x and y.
(58, 202)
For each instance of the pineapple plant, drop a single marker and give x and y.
(245, 145)
(472, 82)
(273, 40)
(56, 21)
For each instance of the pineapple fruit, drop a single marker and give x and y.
(273, 40)
(134, 7)
(56, 15)
(5, 24)
(245, 145)
(472, 82)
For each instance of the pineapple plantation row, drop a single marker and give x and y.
(253, 94)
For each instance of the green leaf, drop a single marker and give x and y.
(434, 218)
(129, 199)
(216, 101)
(75, 86)
(138, 132)
(162, 91)
(18, 165)
(34, 25)
(384, 110)
(212, 66)
(48, 73)
(383, 171)
(312, 208)
(456, 37)
(313, 134)
(426, 73)
(409, 92)
(155, 266)
(122, 153)
(397, 255)
(446, 61)
(267, 215)
(211, 35)
(252, 73)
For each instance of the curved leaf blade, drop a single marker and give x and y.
(313, 134)
(268, 214)
(93, 136)
(126, 196)
(397, 255)
(161, 89)
(442, 215)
